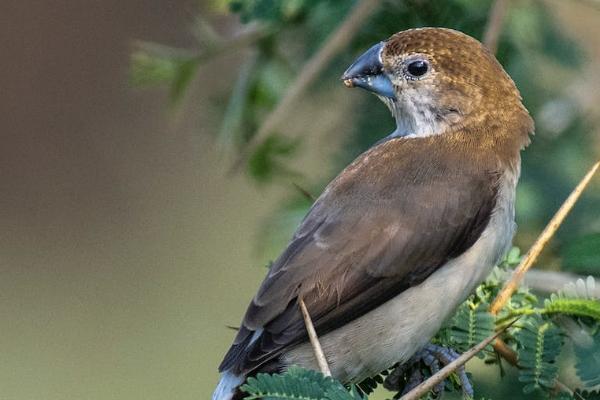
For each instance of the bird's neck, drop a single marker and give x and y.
(415, 120)
(513, 125)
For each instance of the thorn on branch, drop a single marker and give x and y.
(304, 192)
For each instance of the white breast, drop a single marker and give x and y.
(394, 331)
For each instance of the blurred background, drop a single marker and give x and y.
(132, 236)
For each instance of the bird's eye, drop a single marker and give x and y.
(417, 68)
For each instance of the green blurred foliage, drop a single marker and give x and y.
(582, 254)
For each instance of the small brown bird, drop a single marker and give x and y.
(406, 232)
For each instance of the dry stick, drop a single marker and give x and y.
(314, 340)
(490, 39)
(335, 43)
(511, 285)
(512, 358)
(442, 374)
(494, 26)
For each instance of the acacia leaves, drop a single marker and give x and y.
(539, 337)
(539, 344)
(472, 324)
(298, 384)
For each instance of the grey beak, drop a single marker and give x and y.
(367, 73)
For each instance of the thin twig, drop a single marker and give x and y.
(511, 285)
(307, 195)
(335, 43)
(314, 340)
(494, 25)
(442, 374)
(513, 359)
(506, 352)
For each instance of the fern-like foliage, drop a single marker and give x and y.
(540, 343)
(298, 384)
(538, 338)
(576, 299)
(471, 324)
(573, 306)
(588, 360)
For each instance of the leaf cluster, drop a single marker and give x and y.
(538, 338)
(298, 383)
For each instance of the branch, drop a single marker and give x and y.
(314, 340)
(512, 358)
(335, 43)
(442, 374)
(511, 285)
(494, 25)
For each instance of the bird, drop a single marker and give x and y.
(401, 237)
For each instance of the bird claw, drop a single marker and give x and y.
(407, 376)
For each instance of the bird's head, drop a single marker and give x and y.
(436, 80)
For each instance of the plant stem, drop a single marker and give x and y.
(494, 25)
(314, 340)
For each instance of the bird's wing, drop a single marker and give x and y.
(388, 221)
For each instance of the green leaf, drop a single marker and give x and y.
(154, 65)
(574, 307)
(539, 344)
(233, 119)
(298, 384)
(185, 71)
(267, 162)
(471, 325)
(513, 257)
(575, 299)
(147, 69)
(587, 353)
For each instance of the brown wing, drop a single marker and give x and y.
(389, 220)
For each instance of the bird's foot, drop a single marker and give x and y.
(423, 364)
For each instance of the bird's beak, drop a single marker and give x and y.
(367, 72)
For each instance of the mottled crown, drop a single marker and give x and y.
(461, 67)
(458, 56)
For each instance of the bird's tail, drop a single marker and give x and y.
(227, 387)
